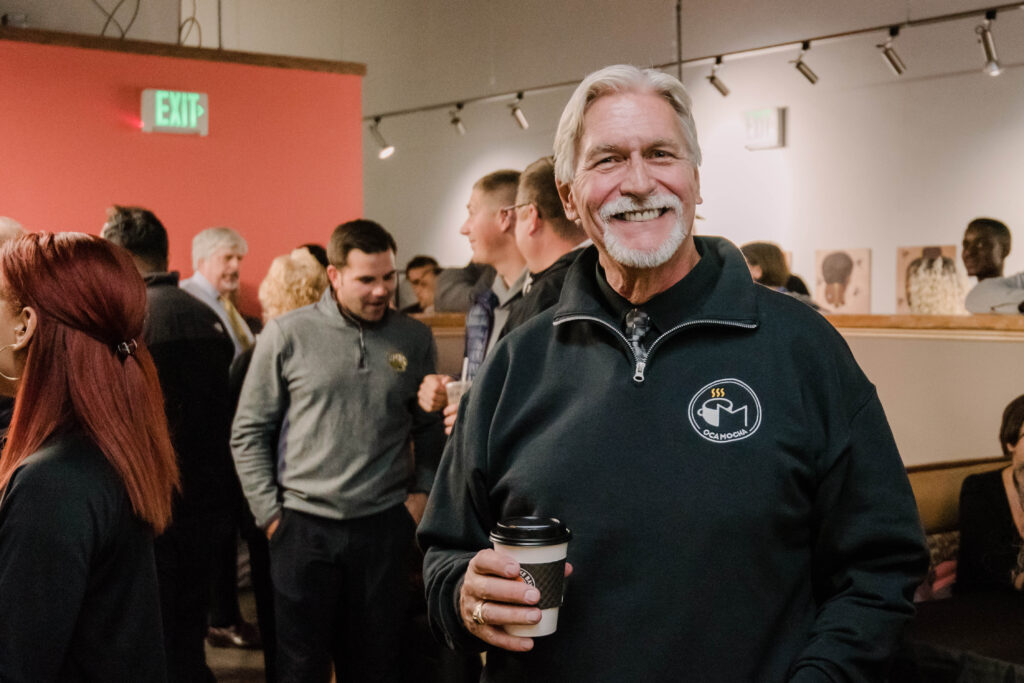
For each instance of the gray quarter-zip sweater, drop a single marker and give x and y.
(327, 420)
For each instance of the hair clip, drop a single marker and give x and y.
(127, 348)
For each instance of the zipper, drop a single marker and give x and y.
(640, 360)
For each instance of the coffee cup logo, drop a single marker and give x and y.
(725, 410)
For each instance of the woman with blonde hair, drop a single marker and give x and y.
(87, 473)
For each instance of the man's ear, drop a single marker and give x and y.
(568, 201)
(507, 220)
(333, 276)
(534, 220)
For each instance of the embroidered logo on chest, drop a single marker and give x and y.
(398, 361)
(725, 410)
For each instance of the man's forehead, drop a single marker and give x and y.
(380, 262)
(608, 120)
(226, 252)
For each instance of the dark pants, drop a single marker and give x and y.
(184, 562)
(340, 591)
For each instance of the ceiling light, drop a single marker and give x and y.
(889, 53)
(803, 68)
(518, 114)
(456, 122)
(386, 150)
(988, 44)
(715, 80)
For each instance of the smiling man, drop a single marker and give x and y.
(323, 441)
(738, 507)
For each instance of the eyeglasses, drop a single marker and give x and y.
(513, 207)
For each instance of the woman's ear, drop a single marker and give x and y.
(26, 327)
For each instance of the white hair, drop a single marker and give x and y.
(212, 239)
(620, 78)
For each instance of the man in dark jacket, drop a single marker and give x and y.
(548, 241)
(738, 507)
(192, 353)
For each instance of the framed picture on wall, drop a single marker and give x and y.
(842, 280)
(928, 282)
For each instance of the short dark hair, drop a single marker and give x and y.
(139, 231)
(504, 181)
(537, 186)
(362, 234)
(422, 261)
(1009, 430)
(997, 229)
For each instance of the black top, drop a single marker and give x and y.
(192, 353)
(78, 589)
(545, 288)
(989, 540)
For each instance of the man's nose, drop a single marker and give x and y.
(638, 180)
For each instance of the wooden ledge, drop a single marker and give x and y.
(142, 47)
(979, 322)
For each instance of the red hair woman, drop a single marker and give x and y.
(87, 473)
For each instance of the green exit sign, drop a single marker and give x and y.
(175, 111)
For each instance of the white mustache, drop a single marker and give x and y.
(657, 202)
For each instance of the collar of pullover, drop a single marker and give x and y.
(719, 288)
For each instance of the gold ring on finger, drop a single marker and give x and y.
(478, 613)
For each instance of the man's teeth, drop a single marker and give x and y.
(646, 215)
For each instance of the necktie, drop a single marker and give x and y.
(238, 326)
(479, 323)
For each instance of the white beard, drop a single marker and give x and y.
(643, 258)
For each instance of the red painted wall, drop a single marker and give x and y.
(282, 163)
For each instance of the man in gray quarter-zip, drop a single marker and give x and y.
(336, 460)
(738, 508)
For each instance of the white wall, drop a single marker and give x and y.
(871, 160)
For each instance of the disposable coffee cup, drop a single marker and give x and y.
(456, 388)
(539, 544)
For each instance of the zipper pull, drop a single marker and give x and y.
(638, 373)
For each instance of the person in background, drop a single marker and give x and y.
(88, 472)
(192, 354)
(293, 281)
(457, 288)
(9, 229)
(992, 516)
(217, 255)
(733, 519)
(985, 248)
(490, 229)
(548, 241)
(336, 461)
(422, 272)
(767, 265)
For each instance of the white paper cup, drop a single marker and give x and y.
(456, 388)
(539, 545)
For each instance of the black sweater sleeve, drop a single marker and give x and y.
(44, 566)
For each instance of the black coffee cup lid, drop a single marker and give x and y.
(530, 531)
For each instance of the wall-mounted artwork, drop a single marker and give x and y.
(927, 281)
(842, 280)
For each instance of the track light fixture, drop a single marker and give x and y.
(456, 121)
(802, 67)
(889, 52)
(386, 150)
(517, 112)
(716, 81)
(988, 44)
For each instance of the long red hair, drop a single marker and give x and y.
(88, 298)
